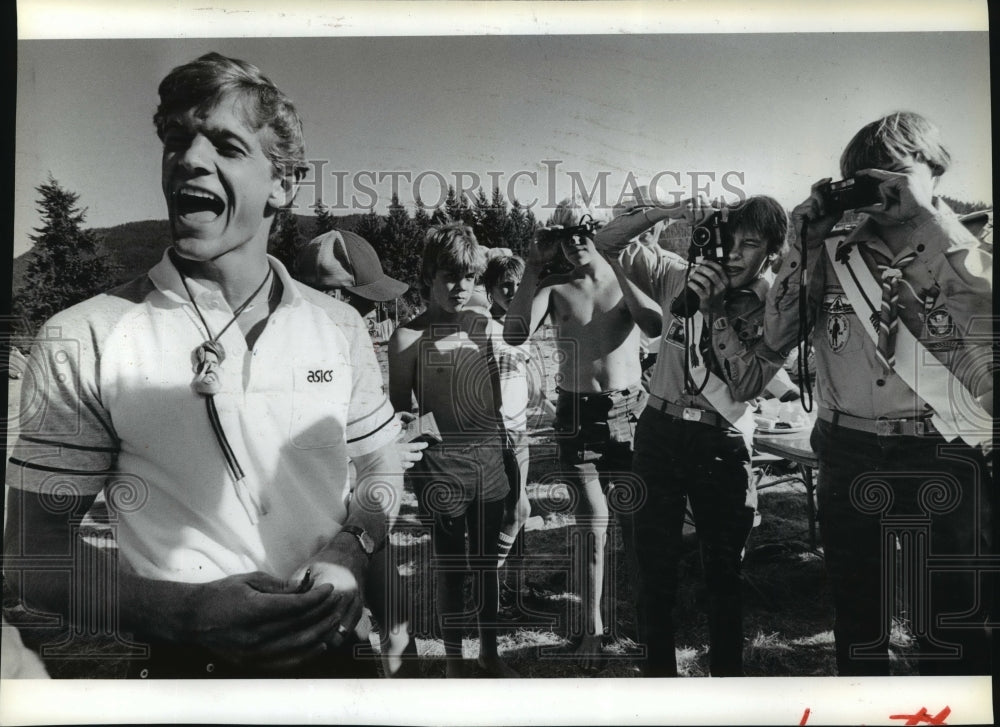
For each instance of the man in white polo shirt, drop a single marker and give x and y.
(216, 402)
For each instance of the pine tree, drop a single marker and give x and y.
(421, 219)
(401, 258)
(325, 221)
(370, 228)
(67, 263)
(452, 205)
(285, 240)
(516, 224)
(480, 219)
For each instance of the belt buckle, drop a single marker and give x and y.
(691, 415)
(888, 427)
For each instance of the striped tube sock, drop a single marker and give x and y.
(504, 543)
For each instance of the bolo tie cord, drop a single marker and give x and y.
(208, 359)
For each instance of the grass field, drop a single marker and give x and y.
(788, 613)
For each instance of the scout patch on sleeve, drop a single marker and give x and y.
(675, 333)
(838, 324)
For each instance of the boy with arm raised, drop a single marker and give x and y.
(598, 314)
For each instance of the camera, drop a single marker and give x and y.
(849, 194)
(711, 240)
(586, 228)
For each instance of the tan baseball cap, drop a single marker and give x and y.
(344, 260)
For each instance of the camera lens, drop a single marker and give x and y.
(701, 236)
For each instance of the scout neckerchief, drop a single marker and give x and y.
(207, 358)
(957, 413)
(888, 321)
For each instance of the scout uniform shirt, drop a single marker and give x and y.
(944, 300)
(735, 353)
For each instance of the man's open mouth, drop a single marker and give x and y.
(198, 205)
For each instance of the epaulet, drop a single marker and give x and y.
(840, 232)
(980, 224)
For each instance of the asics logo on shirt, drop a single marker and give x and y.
(320, 376)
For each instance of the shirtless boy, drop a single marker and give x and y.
(440, 358)
(599, 314)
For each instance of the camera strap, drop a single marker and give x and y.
(714, 389)
(805, 325)
(692, 342)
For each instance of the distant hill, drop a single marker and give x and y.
(137, 246)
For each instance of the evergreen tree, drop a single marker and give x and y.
(516, 225)
(421, 219)
(495, 223)
(452, 205)
(369, 226)
(325, 221)
(527, 232)
(480, 210)
(67, 263)
(285, 241)
(960, 207)
(401, 258)
(441, 217)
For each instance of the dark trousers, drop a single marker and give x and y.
(677, 459)
(905, 517)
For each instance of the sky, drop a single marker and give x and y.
(543, 116)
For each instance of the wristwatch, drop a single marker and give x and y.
(365, 540)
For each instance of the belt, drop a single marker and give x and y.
(632, 390)
(911, 427)
(687, 413)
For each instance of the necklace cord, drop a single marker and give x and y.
(250, 503)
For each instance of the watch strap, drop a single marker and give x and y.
(367, 543)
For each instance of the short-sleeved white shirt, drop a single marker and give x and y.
(111, 407)
(512, 364)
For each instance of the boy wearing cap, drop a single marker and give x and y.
(599, 315)
(340, 262)
(216, 402)
(345, 261)
(692, 443)
(900, 312)
(440, 359)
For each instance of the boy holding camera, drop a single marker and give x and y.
(598, 313)
(900, 313)
(441, 357)
(693, 438)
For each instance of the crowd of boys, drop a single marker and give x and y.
(246, 547)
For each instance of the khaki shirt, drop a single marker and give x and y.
(738, 355)
(944, 300)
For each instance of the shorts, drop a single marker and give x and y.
(595, 431)
(449, 477)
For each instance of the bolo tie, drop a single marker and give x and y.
(206, 361)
